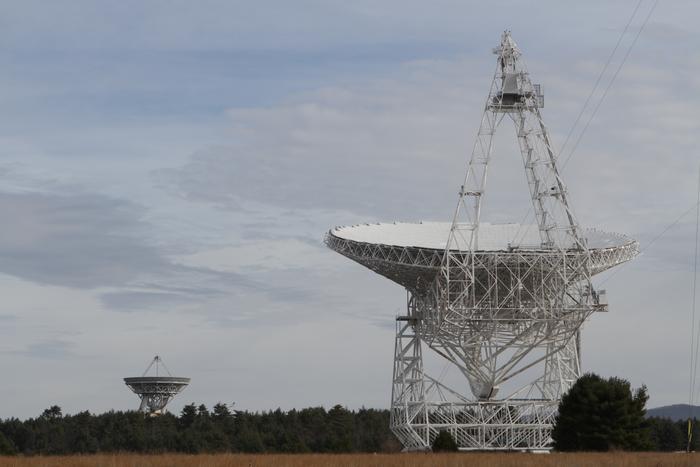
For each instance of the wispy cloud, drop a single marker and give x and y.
(52, 349)
(77, 240)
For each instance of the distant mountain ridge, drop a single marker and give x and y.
(675, 412)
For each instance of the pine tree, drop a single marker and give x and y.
(340, 423)
(600, 415)
(444, 442)
(6, 446)
(666, 435)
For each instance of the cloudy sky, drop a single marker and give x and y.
(168, 170)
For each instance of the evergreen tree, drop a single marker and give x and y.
(314, 421)
(341, 429)
(666, 435)
(79, 436)
(444, 442)
(188, 415)
(52, 413)
(225, 424)
(600, 415)
(221, 412)
(6, 446)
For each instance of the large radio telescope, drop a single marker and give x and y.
(156, 390)
(502, 303)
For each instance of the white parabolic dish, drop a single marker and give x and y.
(411, 253)
(492, 237)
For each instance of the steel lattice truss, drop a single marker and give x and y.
(422, 407)
(498, 315)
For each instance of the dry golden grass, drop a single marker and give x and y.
(363, 460)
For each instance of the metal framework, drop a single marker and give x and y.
(505, 318)
(156, 391)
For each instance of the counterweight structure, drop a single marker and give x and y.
(504, 304)
(156, 390)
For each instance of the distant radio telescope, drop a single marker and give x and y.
(156, 390)
(502, 303)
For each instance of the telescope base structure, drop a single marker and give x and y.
(422, 407)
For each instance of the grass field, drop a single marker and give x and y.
(357, 460)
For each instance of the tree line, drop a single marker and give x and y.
(199, 430)
(597, 414)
